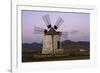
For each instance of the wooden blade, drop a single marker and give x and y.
(47, 21)
(64, 34)
(58, 22)
(38, 30)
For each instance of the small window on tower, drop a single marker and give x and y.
(58, 44)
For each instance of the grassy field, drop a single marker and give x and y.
(72, 51)
(34, 57)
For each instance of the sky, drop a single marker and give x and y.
(72, 21)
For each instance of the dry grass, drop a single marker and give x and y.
(31, 57)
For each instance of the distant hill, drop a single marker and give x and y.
(70, 44)
(32, 46)
(65, 44)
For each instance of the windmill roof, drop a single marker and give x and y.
(52, 31)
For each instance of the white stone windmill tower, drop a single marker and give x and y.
(52, 37)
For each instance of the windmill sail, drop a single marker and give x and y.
(47, 21)
(38, 30)
(58, 22)
(65, 34)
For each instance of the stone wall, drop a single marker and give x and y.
(50, 45)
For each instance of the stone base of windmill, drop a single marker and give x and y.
(59, 51)
(56, 51)
(50, 54)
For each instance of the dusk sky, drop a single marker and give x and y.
(72, 21)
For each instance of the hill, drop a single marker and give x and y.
(71, 44)
(67, 44)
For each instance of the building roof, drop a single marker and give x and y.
(52, 31)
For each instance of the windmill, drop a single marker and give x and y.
(52, 37)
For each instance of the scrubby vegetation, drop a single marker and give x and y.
(72, 51)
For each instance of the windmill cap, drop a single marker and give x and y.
(52, 31)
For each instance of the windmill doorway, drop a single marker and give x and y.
(58, 44)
